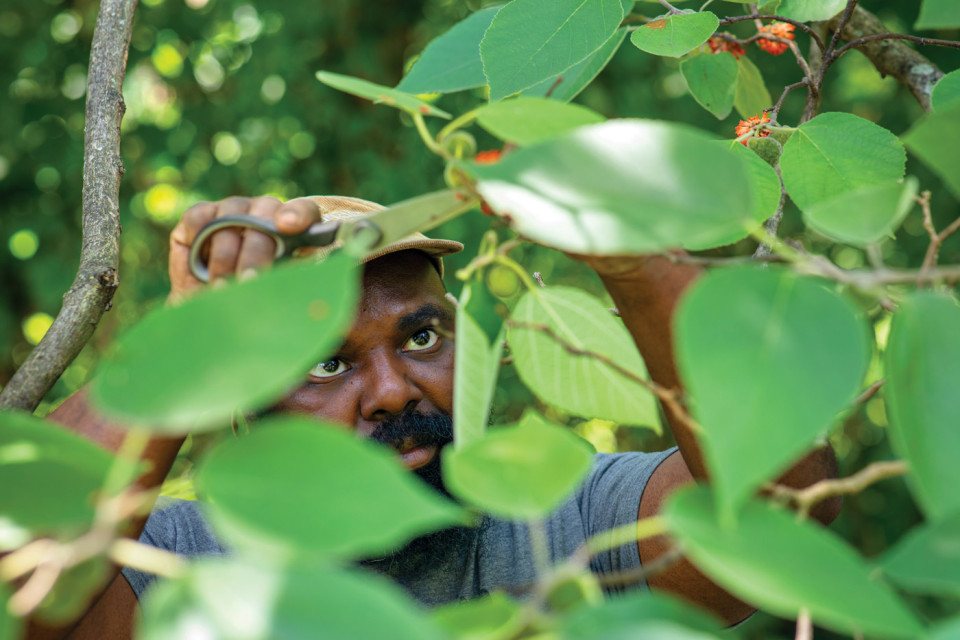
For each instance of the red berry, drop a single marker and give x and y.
(751, 124)
(782, 30)
(718, 45)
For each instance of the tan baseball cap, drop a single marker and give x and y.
(347, 208)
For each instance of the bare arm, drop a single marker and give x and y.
(646, 292)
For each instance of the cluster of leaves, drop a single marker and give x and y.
(771, 356)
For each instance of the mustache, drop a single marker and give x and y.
(415, 429)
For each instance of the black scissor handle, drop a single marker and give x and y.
(199, 269)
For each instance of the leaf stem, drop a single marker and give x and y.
(457, 123)
(130, 553)
(625, 534)
(427, 137)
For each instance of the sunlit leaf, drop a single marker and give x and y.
(922, 367)
(241, 600)
(189, 367)
(711, 79)
(751, 96)
(866, 215)
(838, 152)
(532, 40)
(568, 84)
(811, 10)
(675, 35)
(451, 62)
(579, 384)
(641, 615)
(927, 560)
(946, 91)
(379, 94)
(622, 187)
(518, 472)
(772, 560)
(493, 617)
(935, 139)
(938, 14)
(526, 120)
(361, 500)
(51, 476)
(477, 362)
(765, 332)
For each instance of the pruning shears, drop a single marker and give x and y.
(368, 233)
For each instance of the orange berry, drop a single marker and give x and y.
(718, 45)
(488, 157)
(783, 30)
(750, 125)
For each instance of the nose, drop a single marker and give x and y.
(388, 389)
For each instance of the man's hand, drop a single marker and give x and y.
(233, 251)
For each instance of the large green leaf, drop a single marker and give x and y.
(239, 348)
(922, 367)
(948, 629)
(938, 14)
(712, 79)
(811, 10)
(241, 600)
(518, 472)
(622, 187)
(359, 500)
(579, 384)
(769, 358)
(751, 96)
(525, 120)
(477, 362)
(493, 617)
(568, 84)
(451, 62)
(782, 565)
(866, 215)
(653, 616)
(51, 476)
(532, 40)
(927, 560)
(946, 91)
(936, 141)
(837, 152)
(379, 94)
(764, 183)
(675, 35)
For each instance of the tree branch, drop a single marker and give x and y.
(806, 498)
(90, 294)
(889, 55)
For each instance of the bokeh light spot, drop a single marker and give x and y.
(23, 244)
(36, 326)
(162, 202)
(226, 148)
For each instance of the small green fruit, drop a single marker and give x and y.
(460, 145)
(502, 282)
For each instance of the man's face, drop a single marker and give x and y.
(392, 379)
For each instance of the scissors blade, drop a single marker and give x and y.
(406, 217)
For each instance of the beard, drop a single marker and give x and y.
(420, 429)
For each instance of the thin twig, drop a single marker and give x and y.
(632, 576)
(936, 238)
(774, 111)
(859, 42)
(772, 224)
(759, 16)
(804, 499)
(672, 9)
(92, 290)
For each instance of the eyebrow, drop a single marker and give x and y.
(416, 319)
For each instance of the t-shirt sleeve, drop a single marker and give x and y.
(177, 526)
(610, 497)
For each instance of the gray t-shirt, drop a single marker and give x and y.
(494, 555)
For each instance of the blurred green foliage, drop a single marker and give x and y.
(221, 100)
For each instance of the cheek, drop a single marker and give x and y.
(322, 402)
(435, 380)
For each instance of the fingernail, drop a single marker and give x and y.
(247, 274)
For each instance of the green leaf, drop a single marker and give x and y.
(451, 62)
(240, 600)
(811, 10)
(866, 215)
(764, 183)
(935, 139)
(641, 615)
(766, 333)
(751, 96)
(946, 91)
(711, 78)
(922, 365)
(568, 84)
(838, 152)
(938, 14)
(782, 565)
(527, 120)
(518, 472)
(578, 384)
(493, 617)
(622, 187)
(56, 474)
(675, 35)
(379, 94)
(254, 487)
(74, 591)
(948, 629)
(477, 362)
(10, 627)
(532, 40)
(927, 560)
(189, 367)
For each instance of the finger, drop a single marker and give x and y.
(225, 243)
(192, 221)
(258, 249)
(296, 216)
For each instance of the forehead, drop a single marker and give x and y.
(396, 281)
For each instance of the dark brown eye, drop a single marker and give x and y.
(423, 339)
(328, 369)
